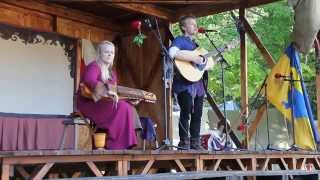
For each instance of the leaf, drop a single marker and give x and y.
(138, 39)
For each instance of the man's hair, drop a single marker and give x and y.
(182, 21)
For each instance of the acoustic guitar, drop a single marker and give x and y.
(123, 93)
(193, 72)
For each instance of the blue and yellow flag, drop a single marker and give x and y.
(279, 94)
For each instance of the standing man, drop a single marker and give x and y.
(190, 95)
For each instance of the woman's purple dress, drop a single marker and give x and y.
(118, 121)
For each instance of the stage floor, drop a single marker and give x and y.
(71, 163)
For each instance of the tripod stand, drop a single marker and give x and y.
(267, 117)
(291, 104)
(167, 72)
(293, 147)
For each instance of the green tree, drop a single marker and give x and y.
(273, 23)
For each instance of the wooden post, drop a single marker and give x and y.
(267, 56)
(170, 109)
(199, 164)
(125, 168)
(317, 50)
(120, 167)
(244, 71)
(5, 171)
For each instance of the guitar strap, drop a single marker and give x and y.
(205, 81)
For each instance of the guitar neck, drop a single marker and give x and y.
(211, 54)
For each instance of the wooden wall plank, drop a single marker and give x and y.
(13, 15)
(26, 18)
(64, 12)
(79, 30)
(136, 68)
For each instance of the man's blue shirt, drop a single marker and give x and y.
(196, 88)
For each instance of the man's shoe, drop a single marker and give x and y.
(195, 145)
(184, 143)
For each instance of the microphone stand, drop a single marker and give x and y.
(222, 61)
(293, 147)
(267, 117)
(167, 70)
(289, 78)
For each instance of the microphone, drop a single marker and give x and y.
(203, 30)
(221, 59)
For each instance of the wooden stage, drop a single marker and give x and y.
(73, 164)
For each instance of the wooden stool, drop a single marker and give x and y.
(76, 118)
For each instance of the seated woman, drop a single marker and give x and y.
(117, 117)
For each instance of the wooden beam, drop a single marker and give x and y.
(43, 171)
(254, 124)
(244, 72)
(205, 10)
(22, 172)
(147, 9)
(284, 164)
(180, 165)
(147, 167)
(265, 164)
(216, 166)
(94, 169)
(68, 13)
(254, 37)
(152, 1)
(215, 8)
(241, 165)
(270, 61)
(317, 163)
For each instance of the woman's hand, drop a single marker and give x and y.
(99, 91)
(114, 96)
(134, 101)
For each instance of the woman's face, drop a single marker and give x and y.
(107, 54)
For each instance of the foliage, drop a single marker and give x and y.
(273, 23)
(138, 39)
